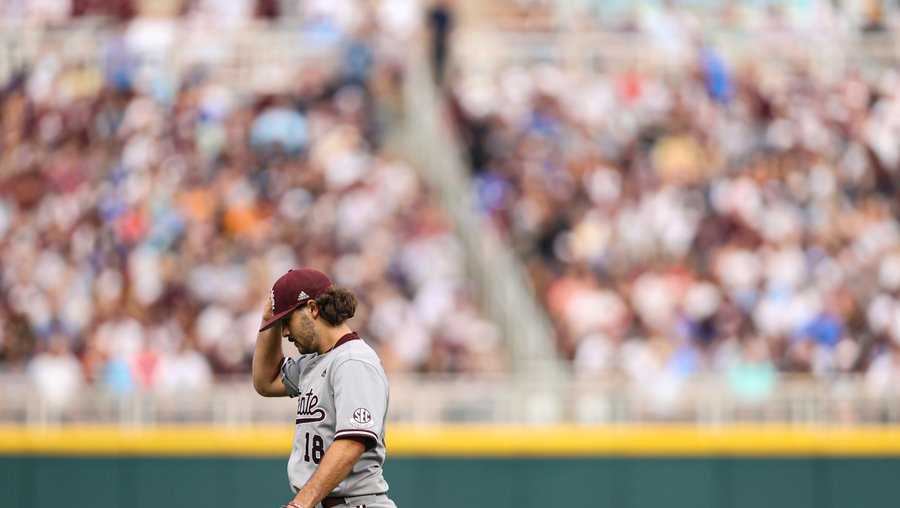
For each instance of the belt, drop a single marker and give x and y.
(331, 502)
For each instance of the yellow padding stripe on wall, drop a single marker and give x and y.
(465, 440)
(573, 440)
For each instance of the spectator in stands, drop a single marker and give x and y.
(718, 220)
(441, 20)
(141, 218)
(57, 375)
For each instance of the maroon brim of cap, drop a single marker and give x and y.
(274, 319)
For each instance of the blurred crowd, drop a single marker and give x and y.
(144, 217)
(731, 217)
(325, 15)
(669, 19)
(734, 218)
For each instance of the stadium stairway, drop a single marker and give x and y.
(499, 278)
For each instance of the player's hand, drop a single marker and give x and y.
(269, 309)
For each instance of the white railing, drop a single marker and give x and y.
(483, 51)
(262, 57)
(484, 399)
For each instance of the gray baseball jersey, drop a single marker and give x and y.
(342, 394)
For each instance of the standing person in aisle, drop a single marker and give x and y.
(342, 391)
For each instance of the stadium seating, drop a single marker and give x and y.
(720, 215)
(145, 212)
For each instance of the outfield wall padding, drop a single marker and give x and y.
(44, 481)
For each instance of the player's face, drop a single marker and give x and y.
(301, 331)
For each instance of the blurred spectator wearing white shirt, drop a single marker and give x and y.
(56, 375)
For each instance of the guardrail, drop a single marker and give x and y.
(260, 56)
(484, 399)
(263, 56)
(486, 50)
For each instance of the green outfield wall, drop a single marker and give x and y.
(620, 482)
(475, 466)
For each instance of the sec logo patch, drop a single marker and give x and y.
(362, 416)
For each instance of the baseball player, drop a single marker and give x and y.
(341, 387)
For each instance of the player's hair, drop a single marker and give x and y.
(336, 305)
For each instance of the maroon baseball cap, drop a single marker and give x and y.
(293, 289)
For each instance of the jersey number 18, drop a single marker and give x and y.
(318, 448)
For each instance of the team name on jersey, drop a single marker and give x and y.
(307, 410)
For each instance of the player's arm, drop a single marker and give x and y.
(267, 359)
(335, 466)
